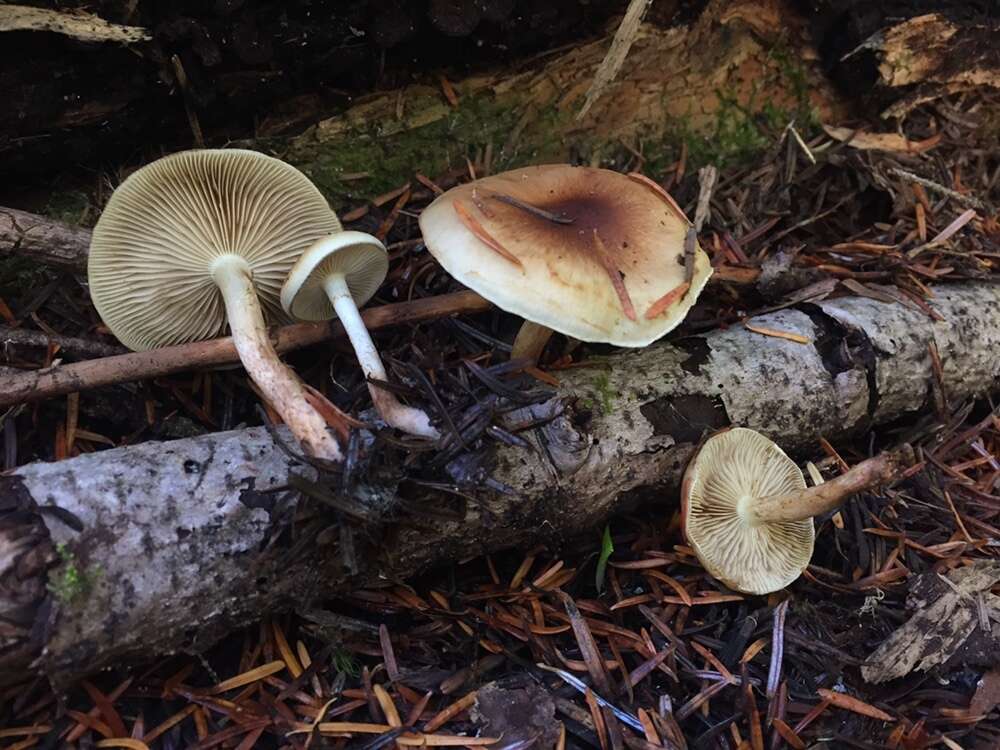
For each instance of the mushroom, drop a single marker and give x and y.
(591, 253)
(747, 512)
(332, 278)
(199, 240)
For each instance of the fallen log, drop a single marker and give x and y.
(166, 547)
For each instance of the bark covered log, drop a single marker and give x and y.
(167, 546)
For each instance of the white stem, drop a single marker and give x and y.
(405, 418)
(279, 385)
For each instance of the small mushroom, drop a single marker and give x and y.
(594, 254)
(332, 278)
(201, 240)
(747, 512)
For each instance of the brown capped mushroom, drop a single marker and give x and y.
(747, 512)
(201, 240)
(591, 253)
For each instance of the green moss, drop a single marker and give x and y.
(68, 582)
(605, 394)
(743, 126)
(71, 207)
(388, 154)
(345, 663)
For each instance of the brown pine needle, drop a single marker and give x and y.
(258, 673)
(428, 183)
(855, 705)
(660, 306)
(656, 188)
(409, 739)
(286, 651)
(787, 335)
(123, 742)
(485, 237)
(788, 734)
(389, 709)
(449, 92)
(450, 712)
(674, 584)
(161, 728)
(25, 731)
(615, 275)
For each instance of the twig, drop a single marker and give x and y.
(56, 381)
(533, 210)
(612, 62)
(83, 26)
(968, 200)
(69, 344)
(707, 177)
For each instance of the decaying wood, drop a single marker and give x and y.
(613, 60)
(676, 77)
(948, 610)
(80, 25)
(180, 542)
(43, 240)
(930, 56)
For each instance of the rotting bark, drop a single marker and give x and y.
(946, 614)
(43, 240)
(735, 59)
(171, 545)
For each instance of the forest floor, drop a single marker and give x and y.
(494, 647)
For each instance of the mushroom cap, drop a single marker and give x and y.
(730, 471)
(151, 254)
(360, 257)
(562, 281)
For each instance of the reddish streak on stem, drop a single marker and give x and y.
(656, 188)
(660, 306)
(477, 229)
(615, 275)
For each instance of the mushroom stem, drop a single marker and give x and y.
(405, 418)
(810, 502)
(282, 390)
(530, 341)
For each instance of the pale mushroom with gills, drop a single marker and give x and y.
(594, 254)
(748, 514)
(199, 241)
(334, 277)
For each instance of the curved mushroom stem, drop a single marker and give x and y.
(282, 390)
(812, 501)
(530, 341)
(405, 418)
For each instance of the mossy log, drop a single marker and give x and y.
(166, 547)
(702, 84)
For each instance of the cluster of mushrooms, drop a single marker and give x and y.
(201, 241)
